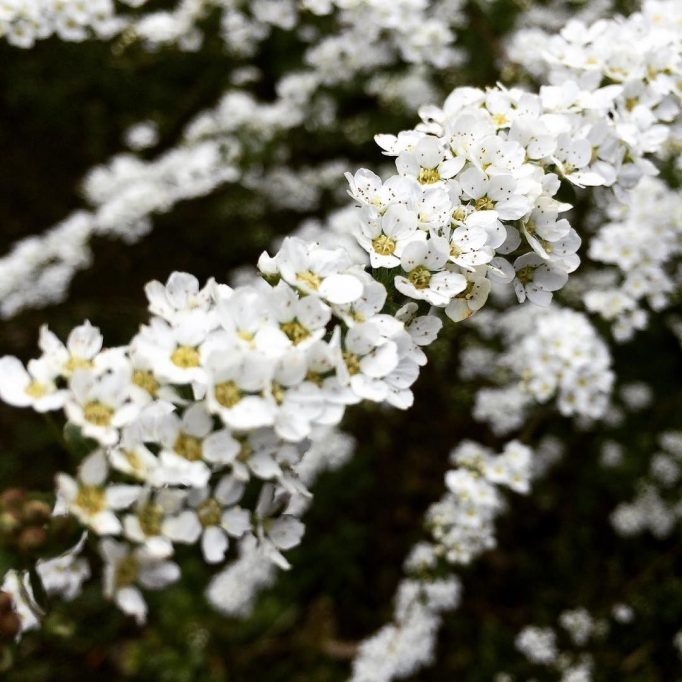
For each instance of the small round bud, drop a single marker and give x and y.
(12, 498)
(31, 538)
(5, 602)
(9, 522)
(36, 512)
(10, 625)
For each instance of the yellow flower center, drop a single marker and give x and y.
(126, 572)
(277, 393)
(90, 499)
(352, 362)
(74, 363)
(150, 517)
(209, 512)
(383, 245)
(525, 275)
(36, 390)
(309, 278)
(314, 377)
(500, 120)
(185, 357)
(427, 176)
(244, 452)
(227, 393)
(97, 413)
(295, 331)
(419, 277)
(146, 381)
(188, 447)
(484, 204)
(459, 214)
(135, 463)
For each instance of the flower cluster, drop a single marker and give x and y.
(549, 354)
(477, 181)
(23, 22)
(656, 508)
(642, 240)
(462, 527)
(568, 660)
(222, 387)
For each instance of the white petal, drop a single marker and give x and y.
(236, 521)
(184, 527)
(340, 289)
(286, 532)
(214, 544)
(130, 601)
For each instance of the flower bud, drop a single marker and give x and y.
(5, 602)
(9, 522)
(36, 512)
(31, 538)
(10, 625)
(12, 498)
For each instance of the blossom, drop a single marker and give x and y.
(208, 516)
(99, 404)
(90, 499)
(124, 567)
(32, 386)
(536, 279)
(426, 277)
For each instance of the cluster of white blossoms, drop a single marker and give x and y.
(224, 394)
(548, 354)
(23, 22)
(240, 137)
(223, 387)
(474, 194)
(370, 34)
(643, 240)
(656, 508)
(578, 628)
(462, 527)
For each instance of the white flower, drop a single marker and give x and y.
(31, 387)
(536, 279)
(369, 304)
(64, 575)
(236, 384)
(426, 280)
(369, 356)
(428, 161)
(386, 237)
(473, 298)
(18, 586)
(314, 270)
(276, 533)
(179, 296)
(124, 567)
(174, 353)
(186, 443)
(82, 346)
(211, 517)
(99, 404)
(144, 525)
(571, 157)
(468, 241)
(301, 319)
(90, 500)
(497, 193)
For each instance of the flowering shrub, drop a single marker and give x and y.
(196, 443)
